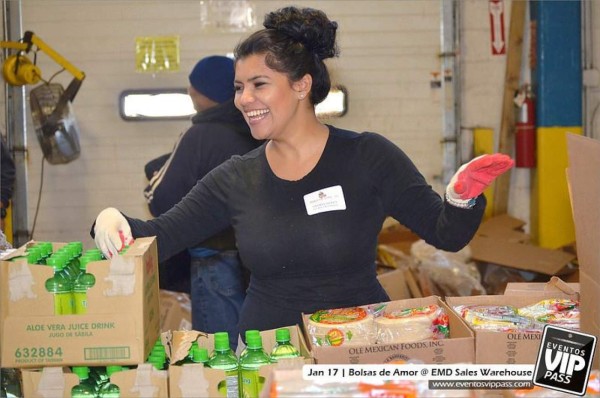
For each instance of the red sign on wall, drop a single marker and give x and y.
(497, 36)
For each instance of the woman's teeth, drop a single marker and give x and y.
(257, 113)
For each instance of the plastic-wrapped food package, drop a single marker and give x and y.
(502, 318)
(453, 273)
(342, 326)
(376, 324)
(557, 312)
(412, 324)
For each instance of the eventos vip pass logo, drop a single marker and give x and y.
(564, 361)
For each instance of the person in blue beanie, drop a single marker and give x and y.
(218, 131)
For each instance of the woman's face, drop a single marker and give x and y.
(265, 97)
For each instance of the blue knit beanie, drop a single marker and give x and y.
(213, 77)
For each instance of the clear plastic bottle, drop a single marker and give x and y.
(283, 347)
(110, 390)
(60, 286)
(84, 389)
(223, 358)
(255, 357)
(81, 285)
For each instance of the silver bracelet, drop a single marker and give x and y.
(466, 204)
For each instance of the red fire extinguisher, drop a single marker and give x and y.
(525, 130)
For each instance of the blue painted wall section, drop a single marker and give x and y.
(558, 76)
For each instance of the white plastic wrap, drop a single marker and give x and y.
(453, 273)
(412, 324)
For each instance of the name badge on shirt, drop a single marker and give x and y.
(326, 199)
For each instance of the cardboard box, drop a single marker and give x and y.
(583, 176)
(492, 347)
(48, 382)
(194, 380)
(175, 311)
(458, 348)
(397, 236)
(120, 327)
(499, 240)
(555, 285)
(144, 381)
(394, 284)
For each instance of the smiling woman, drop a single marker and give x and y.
(307, 205)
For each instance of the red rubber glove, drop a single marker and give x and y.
(472, 178)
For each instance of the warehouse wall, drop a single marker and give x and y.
(389, 50)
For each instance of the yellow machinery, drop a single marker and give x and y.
(18, 70)
(53, 119)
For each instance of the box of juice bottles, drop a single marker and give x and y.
(221, 372)
(78, 308)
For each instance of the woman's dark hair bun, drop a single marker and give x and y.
(308, 26)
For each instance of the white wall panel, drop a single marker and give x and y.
(388, 51)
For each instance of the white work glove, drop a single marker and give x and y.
(112, 232)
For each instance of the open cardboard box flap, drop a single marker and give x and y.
(583, 176)
(555, 284)
(500, 241)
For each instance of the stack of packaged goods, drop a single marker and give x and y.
(377, 325)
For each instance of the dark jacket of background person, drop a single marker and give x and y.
(215, 135)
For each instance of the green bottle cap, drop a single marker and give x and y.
(46, 248)
(199, 354)
(56, 262)
(96, 252)
(33, 256)
(110, 369)
(62, 253)
(78, 245)
(93, 255)
(83, 372)
(282, 335)
(251, 332)
(254, 341)
(221, 341)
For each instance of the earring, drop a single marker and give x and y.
(301, 96)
